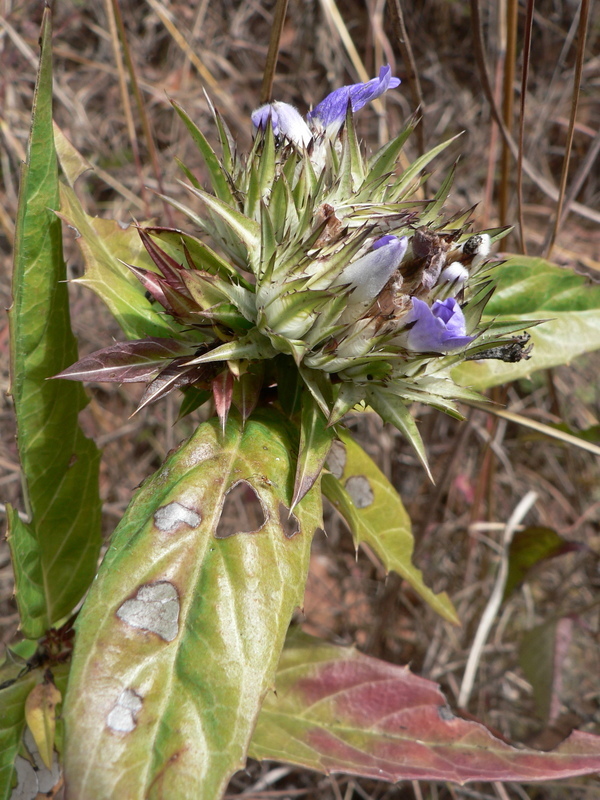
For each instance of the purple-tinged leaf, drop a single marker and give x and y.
(336, 710)
(152, 283)
(170, 269)
(174, 376)
(246, 391)
(530, 547)
(127, 362)
(222, 388)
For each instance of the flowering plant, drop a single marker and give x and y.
(327, 273)
(318, 280)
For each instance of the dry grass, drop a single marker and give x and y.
(483, 467)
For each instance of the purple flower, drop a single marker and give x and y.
(437, 329)
(370, 273)
(330, 113)
(328, 116)
(286, 121)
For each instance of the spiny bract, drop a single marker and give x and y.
(328, 274)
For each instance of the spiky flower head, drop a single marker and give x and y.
(325, 276)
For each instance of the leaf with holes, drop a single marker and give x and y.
(534, 289)
(55, 554)
(336, 710)
(180, 636)
(376, 516)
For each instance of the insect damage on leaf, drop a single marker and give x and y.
(170, 517)
(242, 511)
(290, 524)
(359, 489)
(155, 609)
(122, 718)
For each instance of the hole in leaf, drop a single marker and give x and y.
(242, 511)
(336, 460)
(359, 489)
(122, 718)
(290, 524)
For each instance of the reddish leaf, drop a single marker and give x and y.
(127, 362)
(222, 388)
(246, 391)
(336, 710)
(168, 266)
(174, 376)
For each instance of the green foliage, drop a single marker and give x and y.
(180, 636)
(376, 516)
(567, 304)
(55, 552)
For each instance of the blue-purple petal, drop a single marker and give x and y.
(440, 328)
(286, 121)
(330, 113)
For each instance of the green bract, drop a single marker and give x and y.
(324, 272)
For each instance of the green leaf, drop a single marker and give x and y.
(104, 245)
(534, 289)
(399, 188)
(55, 553)
(180, 636)
(337, 710)
(376, 516)
(247, 230)
(394, 410)
(12, 714)
(218, 176)
(315, 442)
(530, 547)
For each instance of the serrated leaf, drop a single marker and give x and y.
(180, 636)
(535, 289)
(391, 408)
(315, 443)
(376, 516)
(54, 554)
(105, 245)
(337, 710)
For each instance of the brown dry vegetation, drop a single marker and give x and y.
(483, 467)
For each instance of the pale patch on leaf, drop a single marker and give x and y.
(359, 489)
(170, 517)
(122, 718)
(155, 608)
(242, 511)
(336, 460)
